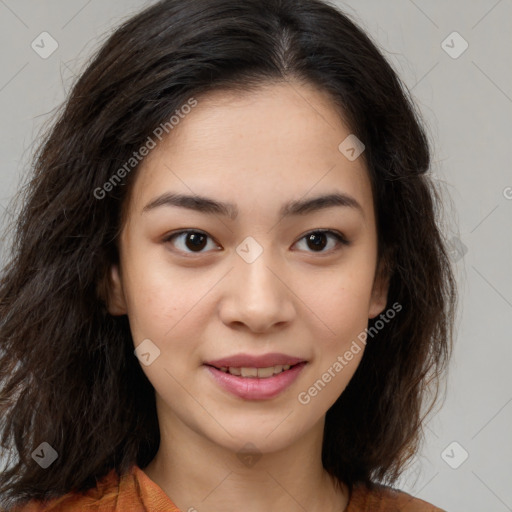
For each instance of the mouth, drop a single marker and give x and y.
(255, 377)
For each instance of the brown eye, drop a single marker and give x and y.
(318, 240)
(189, 241)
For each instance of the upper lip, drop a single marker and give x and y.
(250, 361)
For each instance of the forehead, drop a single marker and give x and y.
(281, 141)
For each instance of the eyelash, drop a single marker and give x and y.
(342, 241)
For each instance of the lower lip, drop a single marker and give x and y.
(253, 388)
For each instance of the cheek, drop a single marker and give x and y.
(165, 314)
(151, 310)
(339, 302)
(329, 381)
(164, 306)
(158, 297)
(339, 348)
(339, 312)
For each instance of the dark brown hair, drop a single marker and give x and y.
(68, 373)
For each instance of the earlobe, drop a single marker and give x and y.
(115, 300)
(380, 290)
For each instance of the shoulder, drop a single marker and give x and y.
(133, 492)
(98, 498)
(381, 498)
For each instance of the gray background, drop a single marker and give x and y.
(467, 105)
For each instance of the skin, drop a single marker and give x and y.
(257, 150)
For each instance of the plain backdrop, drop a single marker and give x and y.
(455, 58)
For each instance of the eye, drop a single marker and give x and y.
(191, 239)
(195, 241)
(316, 239)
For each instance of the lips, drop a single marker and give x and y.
(255, 388)
(253, 377)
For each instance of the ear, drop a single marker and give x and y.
(380, 289)
(111, 291)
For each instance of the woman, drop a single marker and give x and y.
(228, 286)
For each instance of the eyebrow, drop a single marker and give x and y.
(210, 206)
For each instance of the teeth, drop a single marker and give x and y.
(261, 373)
(249, 372)
(264, 373)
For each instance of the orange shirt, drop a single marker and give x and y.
(135, 492)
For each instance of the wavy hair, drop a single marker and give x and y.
(68, 374)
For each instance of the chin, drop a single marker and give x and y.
(271, 435)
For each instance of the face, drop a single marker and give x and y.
(263, 277)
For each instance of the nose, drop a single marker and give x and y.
(257, 295)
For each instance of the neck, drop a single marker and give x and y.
(199, 474)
